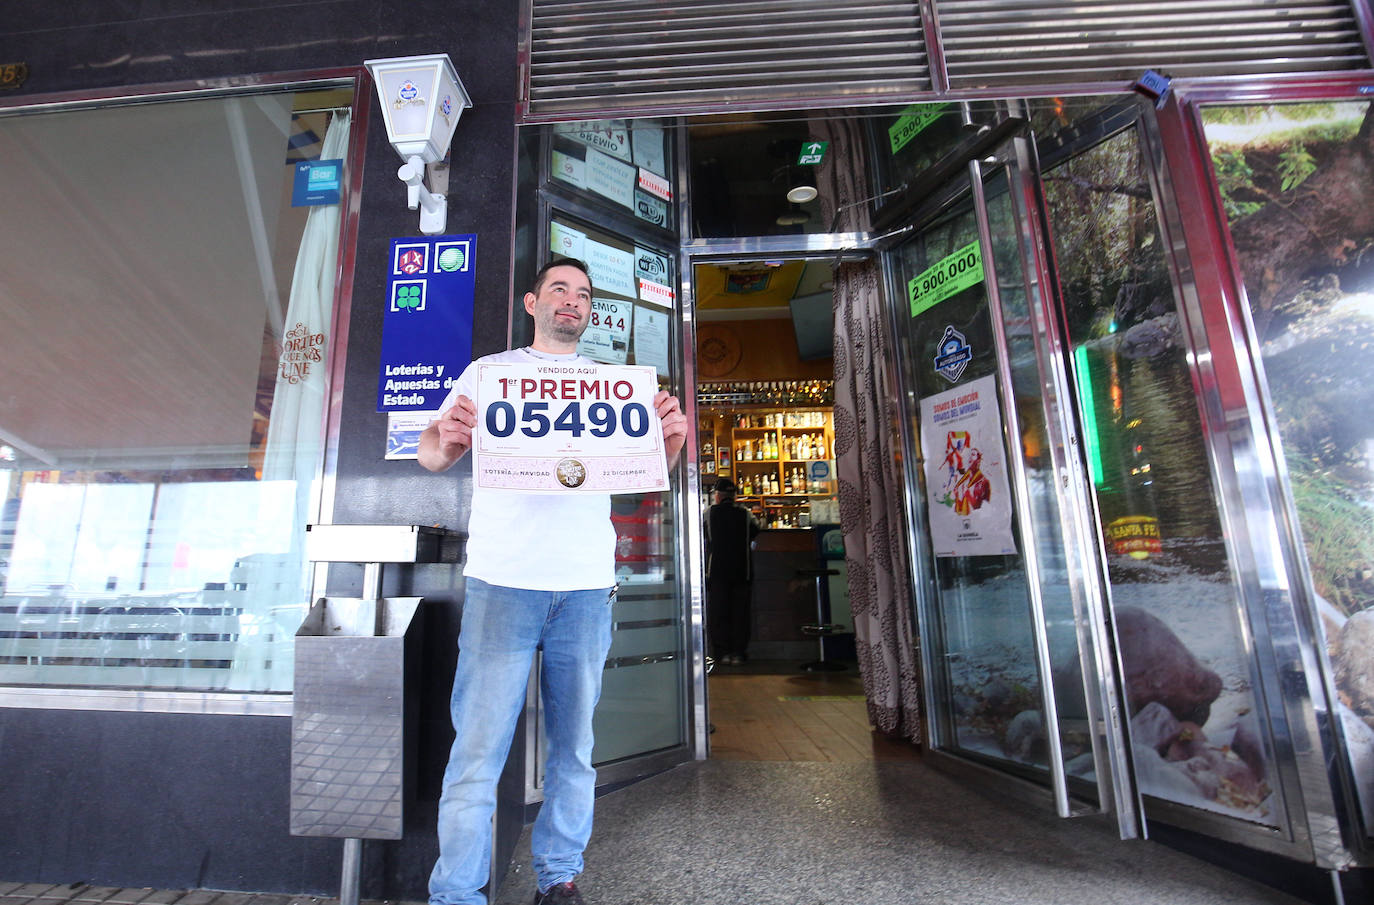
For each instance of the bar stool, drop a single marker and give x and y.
(820, 628)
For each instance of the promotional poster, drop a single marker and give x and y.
(966, 477)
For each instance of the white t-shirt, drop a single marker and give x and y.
(536, 541)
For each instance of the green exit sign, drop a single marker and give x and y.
(812, 151)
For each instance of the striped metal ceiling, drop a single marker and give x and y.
(1009, 43)
(621, 55)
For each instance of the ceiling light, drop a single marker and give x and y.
(801, 194)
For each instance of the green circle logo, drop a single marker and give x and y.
(451, 259)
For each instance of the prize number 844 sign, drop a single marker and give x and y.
(567, 428)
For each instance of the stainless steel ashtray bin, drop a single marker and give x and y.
(348, 727)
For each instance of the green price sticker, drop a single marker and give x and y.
(912, 122)
(947, 277)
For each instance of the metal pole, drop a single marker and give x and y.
(372, 596)
(352, 871)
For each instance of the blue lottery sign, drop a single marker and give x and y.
(427, 323)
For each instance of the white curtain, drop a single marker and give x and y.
(295, 432)
(295, 440)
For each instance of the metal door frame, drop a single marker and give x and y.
(810, 246)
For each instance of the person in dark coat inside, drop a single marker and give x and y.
(730, 533)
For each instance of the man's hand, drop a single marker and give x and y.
(674, 425)
(449, 438)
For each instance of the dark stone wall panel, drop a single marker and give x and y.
(175, 800)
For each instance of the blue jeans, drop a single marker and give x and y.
(502, 627)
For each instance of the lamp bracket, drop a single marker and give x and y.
(433, 206)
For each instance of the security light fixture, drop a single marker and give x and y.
(422, 100)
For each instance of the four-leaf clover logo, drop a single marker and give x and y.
(408, 297)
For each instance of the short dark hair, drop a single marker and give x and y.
(557, 262)
(725, 485)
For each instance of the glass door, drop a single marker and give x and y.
(1201, 729)
(1087, 624)
(1013, 628)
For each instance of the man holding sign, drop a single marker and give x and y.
(540, 576)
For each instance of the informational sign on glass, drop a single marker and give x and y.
(947, 277)
(611, 178)
(651, 339)
(607, 337)
(647, 141)
(632, 286)
(403, 433)
(612, 269)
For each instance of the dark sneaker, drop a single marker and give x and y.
(560, 894)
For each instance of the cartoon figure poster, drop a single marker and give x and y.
(966, 474)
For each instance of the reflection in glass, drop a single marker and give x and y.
(1295, 186)
(910, 139)
(163, 356)
(1196, 725)
(624, 162)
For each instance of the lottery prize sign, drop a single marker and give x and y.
(568, 428)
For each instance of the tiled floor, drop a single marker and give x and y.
(790, 715)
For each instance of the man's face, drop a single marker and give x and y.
(563, 305)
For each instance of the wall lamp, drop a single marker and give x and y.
(421, 102)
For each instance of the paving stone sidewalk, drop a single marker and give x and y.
(85, 894)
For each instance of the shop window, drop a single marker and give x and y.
(167, 293)
(1294, 183)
